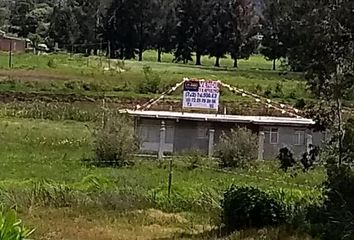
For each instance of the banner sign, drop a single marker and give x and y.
(201, 94)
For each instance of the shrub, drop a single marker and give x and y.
(286, 159)
(278, 91)
(237, 148)
(248, 207)
(51, 63)
(268, 91)
(11, 227)
(300, 103)
(115, 140)
(151, 83)
(194, 159)
(338, 213)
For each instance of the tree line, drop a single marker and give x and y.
(289, 30)
(125, 29)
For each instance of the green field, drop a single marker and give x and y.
(38, 150)
(48, 108)
(87, 76)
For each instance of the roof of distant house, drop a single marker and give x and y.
(258, 120)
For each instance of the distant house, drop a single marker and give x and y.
(18, 45)
(197, 131)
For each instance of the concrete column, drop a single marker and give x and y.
(211, 143)
(308, 142)
(162, 140)
(261, 138)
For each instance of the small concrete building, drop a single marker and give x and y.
(173, 132)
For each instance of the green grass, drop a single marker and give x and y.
(108, 203)
(33, 74)
(37, 150)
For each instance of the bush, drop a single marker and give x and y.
(286, 159)
(248, 207)
(151, 83)
(237, 148)
(10, 227)
(194, 159)
(339, 204)
(300, 103)
(115, 140)
(51, 63)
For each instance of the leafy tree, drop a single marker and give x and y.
(201, 28)
(20, 23)
(221, 30)
(63, 27)
(163, 27)
(184, 31)
(273, 47)
(244, 24)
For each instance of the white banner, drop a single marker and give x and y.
(201, 94)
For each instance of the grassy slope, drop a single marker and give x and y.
(32, 73)
(36, 149)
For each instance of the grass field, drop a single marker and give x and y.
(77, 201)
(48, 106)
(87, 76)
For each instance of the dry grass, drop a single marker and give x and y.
(68, 223)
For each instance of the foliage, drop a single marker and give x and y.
(308, 158)
(115, 140)
(194, 159)
(238, 148)
(151, 83)
(51, 63)
(286, 159)
(248, 207)
(11, 227)
(334, 220)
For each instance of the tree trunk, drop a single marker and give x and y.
(274, 61)
(140, 54)
(235, 63)
(141, 33)
(340, 130)
(217, 62)
(198, 61)
(159, 54)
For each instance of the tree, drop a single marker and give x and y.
(163, 27)
(143, 15)
(63, 27)
(201, 28)
(330, 63)
(184, 31)
(120, 30)
(221, 30)
(273, 47)
(244, 24)
(19, 21)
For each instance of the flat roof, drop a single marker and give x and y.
(259, 120)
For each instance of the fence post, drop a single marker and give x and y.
(170, 179)
(211, 143)
(308, 142)
(162, 140)
(10, 55)
(261, 138)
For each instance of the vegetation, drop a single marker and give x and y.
(44, 142)
(11, 227)
(115, 140)
(250, 208)
(238, 148)
(44, 176)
